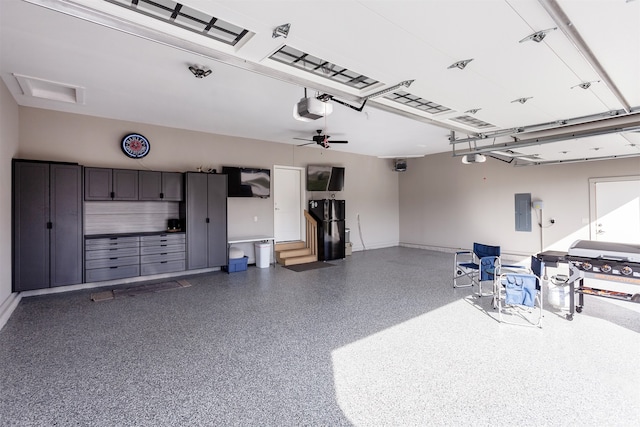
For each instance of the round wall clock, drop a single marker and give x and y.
(135, 146)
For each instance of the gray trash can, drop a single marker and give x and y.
(263, 254)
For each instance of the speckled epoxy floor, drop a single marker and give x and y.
(381, 339)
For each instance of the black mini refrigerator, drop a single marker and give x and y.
(331, 229)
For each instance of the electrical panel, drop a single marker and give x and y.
(523, 211)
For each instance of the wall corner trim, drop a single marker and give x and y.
(7, 307)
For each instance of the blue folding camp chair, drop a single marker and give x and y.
(472, 268)
(518, 296)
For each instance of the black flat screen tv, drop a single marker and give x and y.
(247, 182)
(325, 178)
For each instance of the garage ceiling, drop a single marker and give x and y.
(534, 70)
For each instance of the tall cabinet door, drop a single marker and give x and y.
(196, 220)
(30, 226)
(65, 189)
(47, 219)
(217, 230)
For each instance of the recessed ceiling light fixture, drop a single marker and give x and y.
(522, 100)
(538, 36)
(198, 72)
(460, 64)
(281, 31)
(585, 85)
(473, 111)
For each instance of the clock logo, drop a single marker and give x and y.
(135, 146)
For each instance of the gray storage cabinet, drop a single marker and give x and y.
(110, 258)
(162, 253)
(206, 220)
(110, 184)
(165, 186)
(47, 225)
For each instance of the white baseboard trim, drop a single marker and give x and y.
(430, 248)
(506, 256)
(107, 283)
(8, 306)
(359, 248)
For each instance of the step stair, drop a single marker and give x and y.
(292, 253)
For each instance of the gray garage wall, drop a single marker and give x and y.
(448, 205)
(371, 186)
(8, 148)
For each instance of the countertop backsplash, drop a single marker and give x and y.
(128, 217)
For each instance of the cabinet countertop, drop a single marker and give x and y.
(146, 233)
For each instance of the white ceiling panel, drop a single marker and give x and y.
(134, 67)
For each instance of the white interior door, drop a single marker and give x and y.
(287, 203)
(617, 210)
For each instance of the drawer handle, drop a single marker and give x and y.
(113, 267)
(113, 249)
(114, 258)
(163, 262)
(163, 253)
(163, 245)
(113, 238)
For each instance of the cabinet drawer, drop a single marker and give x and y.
(98, 274)
(112, 242)
(171, 256)
(118, 252)
(162, 239)
(162, 267)
(163, 248)
(111, 262)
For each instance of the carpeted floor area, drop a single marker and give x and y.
(380, 339)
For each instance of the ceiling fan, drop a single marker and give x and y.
(320, 139)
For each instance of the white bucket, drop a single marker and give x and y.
(263, 255)
(558, 293)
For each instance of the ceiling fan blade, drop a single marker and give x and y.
(307, 143)
(303, 139)
(338, 142)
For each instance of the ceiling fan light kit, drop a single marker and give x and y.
(320, 139)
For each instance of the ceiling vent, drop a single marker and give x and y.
(47, 89)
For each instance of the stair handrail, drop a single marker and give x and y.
(312, 233)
